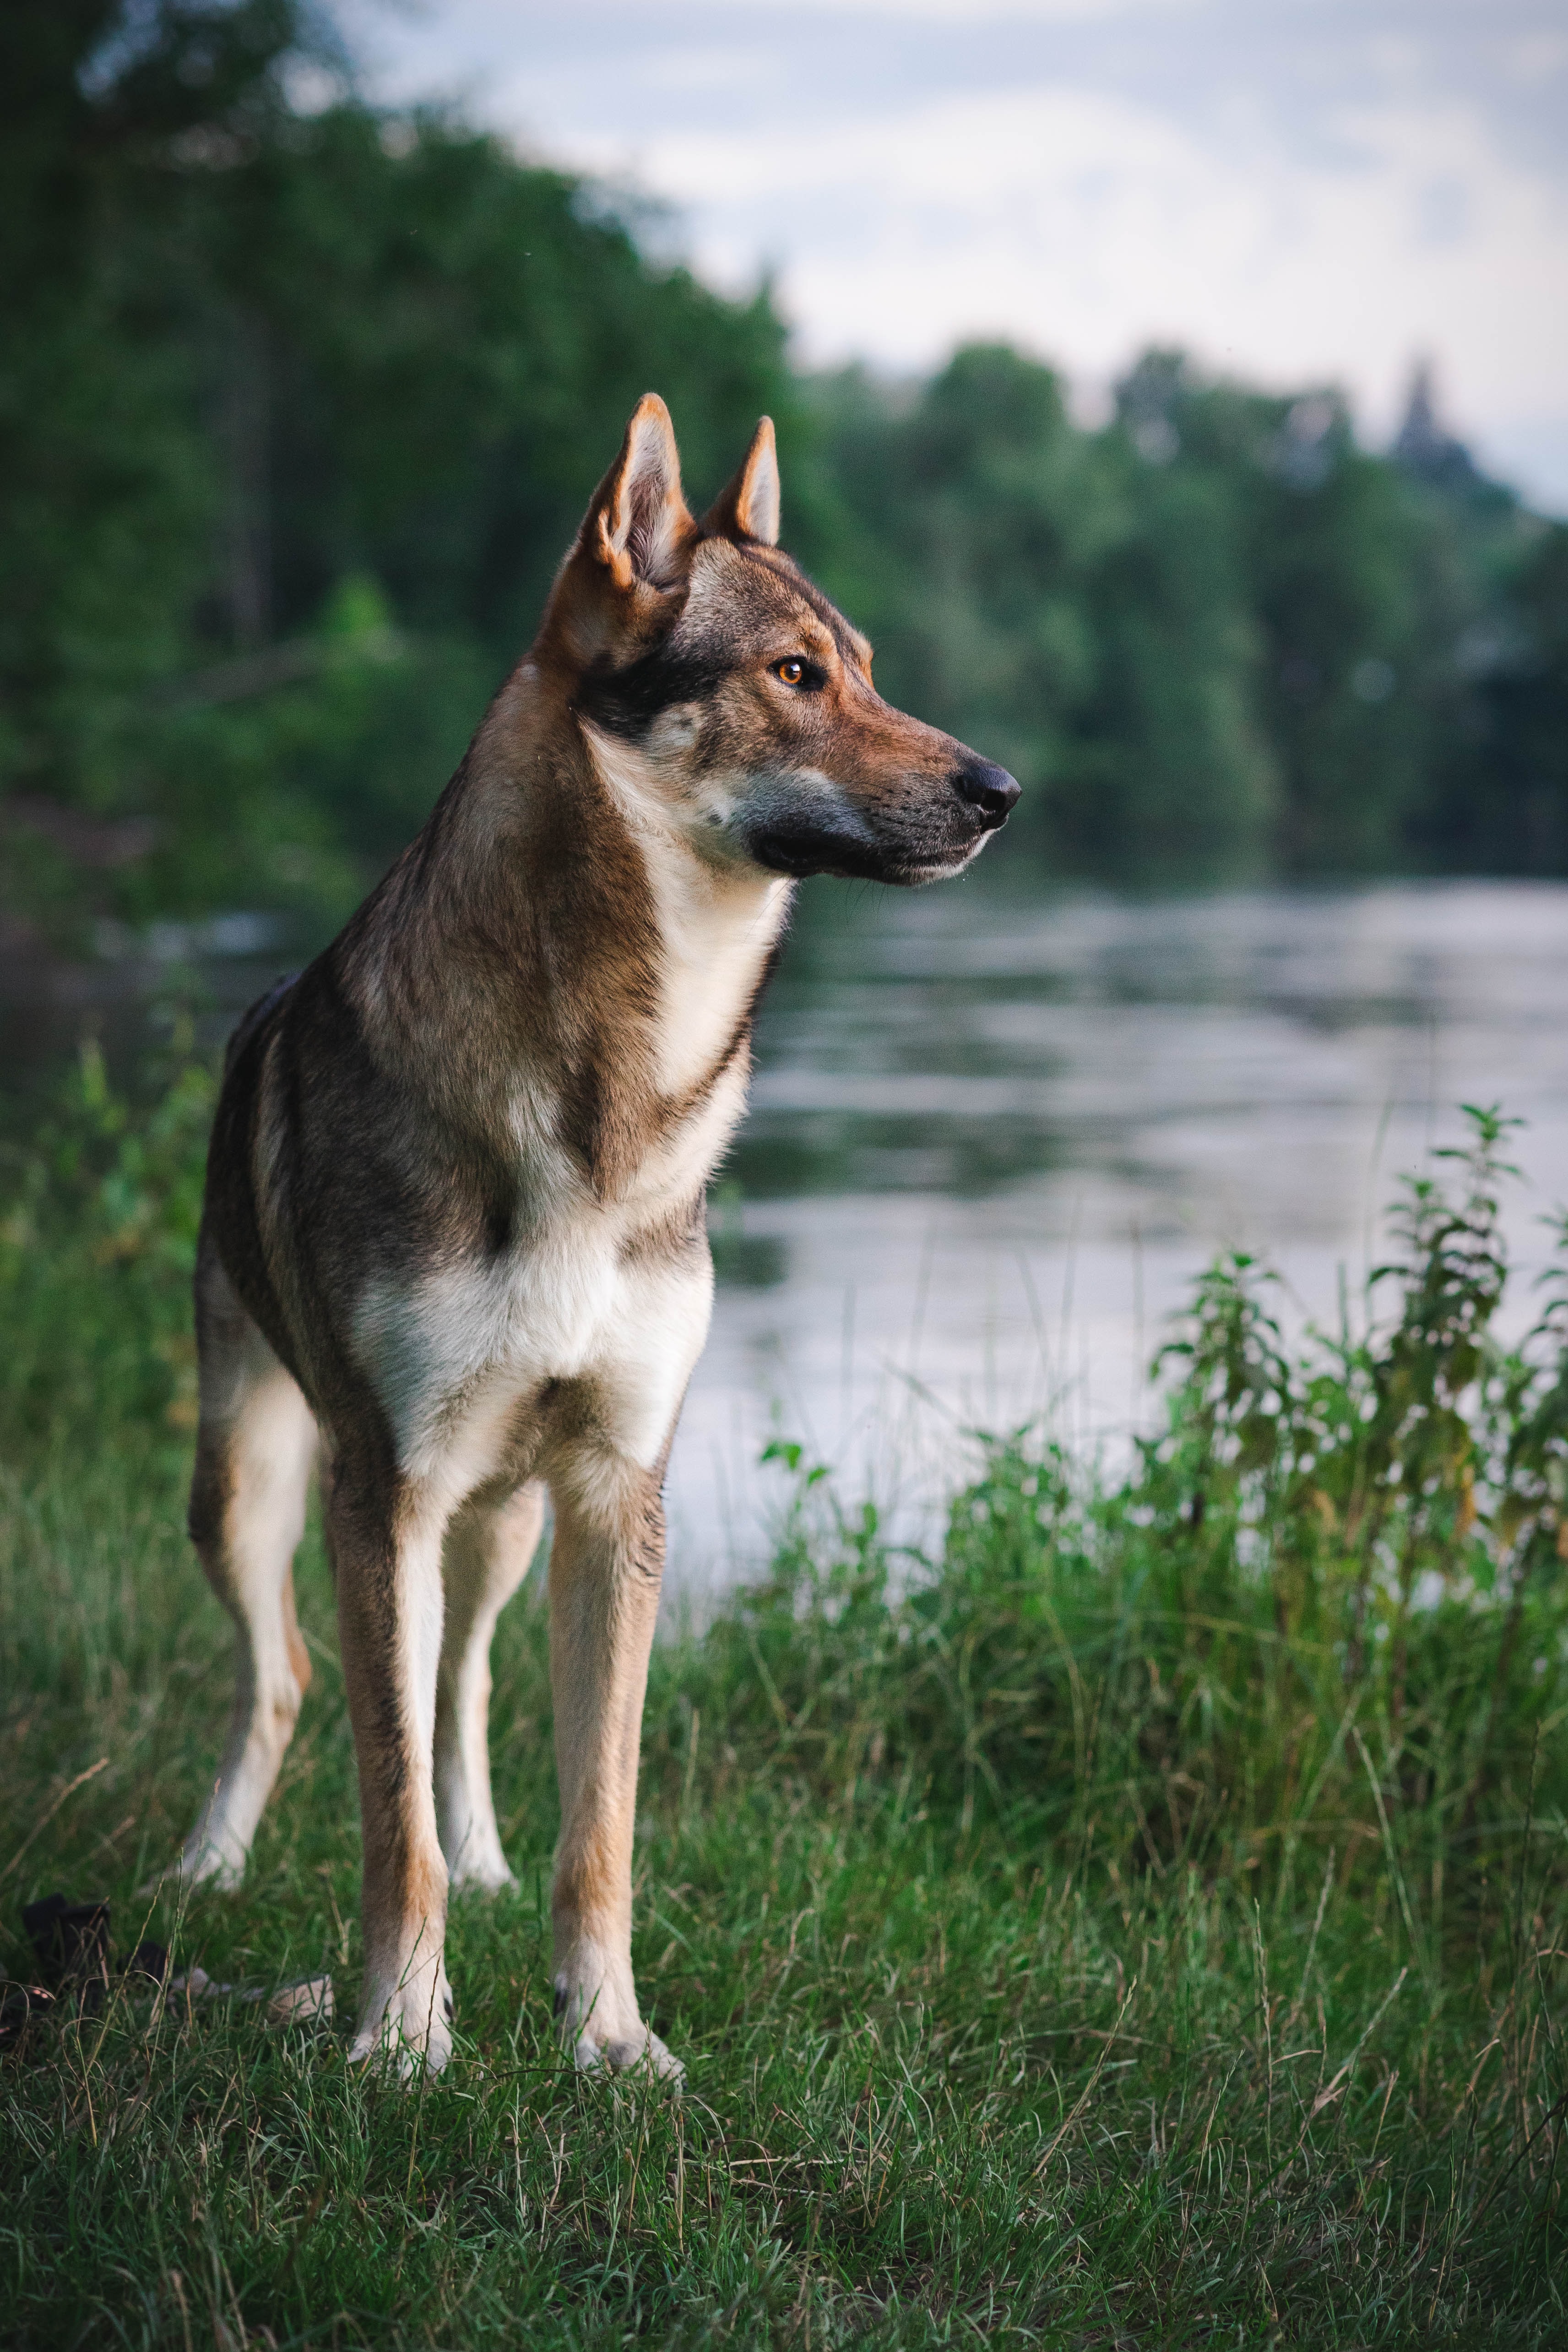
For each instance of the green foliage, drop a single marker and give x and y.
(99, 1217)
(1143, 1921)
(264, 362)
(114, 478)
(1360, 1547)
(1329, 546)
(1514, 789)
(969, 517)
(1215, 633)
(1038, 590)
(272, 361)
(1171, 765)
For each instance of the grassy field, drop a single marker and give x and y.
(1142, 1925)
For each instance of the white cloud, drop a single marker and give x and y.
(961, 12)
(1087, 225)
(1289, 213)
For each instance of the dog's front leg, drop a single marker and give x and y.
(386, 1554)
(488, 1553)
(606, 1563)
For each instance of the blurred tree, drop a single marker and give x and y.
(965, 524)
(300, 402)
(1173, 769)
(111, 487)
(1326, 550)
(1501, 801)
(1495, 582)
(1334, 550)
(1054, 598)
(256, 353)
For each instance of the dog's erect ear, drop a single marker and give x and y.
(748, 509)
(638, 526)
(616, 590)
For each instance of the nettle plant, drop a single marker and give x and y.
(1369, 1476)
(1324, 1610)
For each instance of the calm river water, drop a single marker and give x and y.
(996, 1132)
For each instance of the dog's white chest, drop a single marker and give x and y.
(455, 1351)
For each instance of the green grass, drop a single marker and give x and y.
(1142, 1925)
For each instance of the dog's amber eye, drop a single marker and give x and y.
(790, 672)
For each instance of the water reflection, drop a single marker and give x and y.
(994, 1135)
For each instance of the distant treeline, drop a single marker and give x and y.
(299, 404)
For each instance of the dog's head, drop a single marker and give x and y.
(712, 677)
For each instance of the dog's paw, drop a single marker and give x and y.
(597, 2020)
(203, 1862)
(641, 2053)
(409, 2029)
(482, 1873)
(471, 1844)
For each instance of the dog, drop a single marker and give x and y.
(453, 1233)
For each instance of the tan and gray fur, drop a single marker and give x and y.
(453, 1235)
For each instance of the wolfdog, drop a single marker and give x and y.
(453, 1224)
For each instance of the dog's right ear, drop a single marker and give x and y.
(631, 550)
(638, 527)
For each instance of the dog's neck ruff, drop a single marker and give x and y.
(718, 918)
(567, 961)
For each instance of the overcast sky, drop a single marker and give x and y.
(1298, 191)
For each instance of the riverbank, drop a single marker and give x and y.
(996, 1131)
(1141, 1921)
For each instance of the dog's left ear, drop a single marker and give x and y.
(748, 509)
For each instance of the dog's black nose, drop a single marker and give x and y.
(988, 788)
